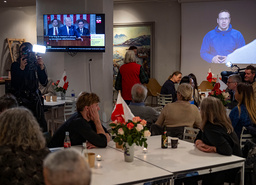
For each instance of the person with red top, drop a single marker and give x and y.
(130, 74)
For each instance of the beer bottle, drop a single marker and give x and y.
(67, 142)
(164, 138)
(84, 151)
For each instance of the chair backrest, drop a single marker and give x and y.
(190, 134)
(69, 109)
(244, 137)
(153, 87)
(163, 99)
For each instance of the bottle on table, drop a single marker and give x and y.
(164, 138)
(67, 142)
(73, 95)
(84, 151)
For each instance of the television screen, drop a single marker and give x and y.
(74, 32)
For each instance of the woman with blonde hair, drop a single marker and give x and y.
(22, 148)
(130, 74)
(172, 115)
(244, 114)
(217, 136)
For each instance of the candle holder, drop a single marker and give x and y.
(145, 150)
(98, 157)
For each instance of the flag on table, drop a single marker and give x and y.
(121, 112)
(220, 85)
(209, 76)
(63, 81)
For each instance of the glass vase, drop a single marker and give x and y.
(128, 152)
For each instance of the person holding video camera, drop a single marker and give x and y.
(25, 73)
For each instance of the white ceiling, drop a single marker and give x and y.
(20, 3)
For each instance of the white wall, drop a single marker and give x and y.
(78, 67)
(166, 15)
(17, 23)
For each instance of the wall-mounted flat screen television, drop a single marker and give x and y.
(74, 32)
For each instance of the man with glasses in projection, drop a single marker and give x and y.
(221, 41)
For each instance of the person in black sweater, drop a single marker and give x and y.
(26, 72)
(84, 125)
(169, 88)
(217, 135)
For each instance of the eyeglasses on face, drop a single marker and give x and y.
(224, 18)
(229, 82)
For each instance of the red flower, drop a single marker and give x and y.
(130, 125)
(120, 119)
(218, 92)
(65, 86)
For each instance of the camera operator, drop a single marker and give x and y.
(25, 73)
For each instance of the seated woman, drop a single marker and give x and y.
(169, 88)
(196, 96)
(172, 115)
(22, 148)
(244, 114)
(217, 136)
(188, 80)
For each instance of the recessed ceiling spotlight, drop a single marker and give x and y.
(5, 1)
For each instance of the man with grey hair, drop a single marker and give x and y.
(66, 167)
(138, 108)
(232, 82)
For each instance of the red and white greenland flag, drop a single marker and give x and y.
(121, 112)
(63, 79)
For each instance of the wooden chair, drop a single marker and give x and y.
(190, 134)
(69, 110)
(244, 137)
(154, 88)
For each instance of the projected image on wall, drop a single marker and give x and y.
(222, 40)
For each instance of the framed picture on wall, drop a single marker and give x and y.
(133, 34)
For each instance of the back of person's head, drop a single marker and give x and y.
(185, 90)
(235, 78)
(132, 48)
(66, 167)
(176, 73)
(191, 75)
(251, 67)
(19, 128)
(139, 93)
(86, 99)
(247, 98)
(129, 57)
(213, 111)
(185, 79)
(7, 101)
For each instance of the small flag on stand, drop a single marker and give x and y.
(209, 76)
(220, 85)
(63, 81)
(121, 112)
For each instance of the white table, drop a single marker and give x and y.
(53, 106)
(114, 170)
(186, 159)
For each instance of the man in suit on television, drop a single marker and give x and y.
(81, 29)
(54, 31)
(69, 30)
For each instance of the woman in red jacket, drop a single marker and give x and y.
(129, 74)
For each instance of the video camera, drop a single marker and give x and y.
(226, 74)
(32, 56)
